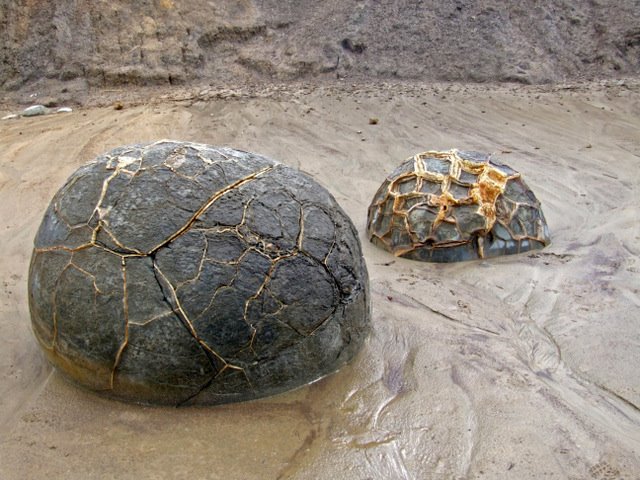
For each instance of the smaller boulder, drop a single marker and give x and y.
(454, 206)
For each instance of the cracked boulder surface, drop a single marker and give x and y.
(454, 206)
(181, 273)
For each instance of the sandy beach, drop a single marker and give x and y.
(518, 367)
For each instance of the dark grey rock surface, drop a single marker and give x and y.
(183, 273)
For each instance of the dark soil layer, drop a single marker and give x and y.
(158, 42)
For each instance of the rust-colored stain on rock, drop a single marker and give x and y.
(454, 206)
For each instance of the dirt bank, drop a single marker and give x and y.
(57, 45)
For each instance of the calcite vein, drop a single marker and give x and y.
(452, 206)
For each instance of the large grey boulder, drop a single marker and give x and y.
(181, 273)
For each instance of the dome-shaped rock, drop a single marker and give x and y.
(453, 206)
(181, 273)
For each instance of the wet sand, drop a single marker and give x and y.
(517, 367)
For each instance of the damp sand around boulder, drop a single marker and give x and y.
(523, 365)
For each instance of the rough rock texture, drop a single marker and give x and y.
(453, 206)
(182, 273)
(168, 42)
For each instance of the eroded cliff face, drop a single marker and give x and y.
(171, 41)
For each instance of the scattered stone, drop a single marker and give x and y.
(181, 273)
(34, 110)
(454, 206)
(118, 106)
(373, 121)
